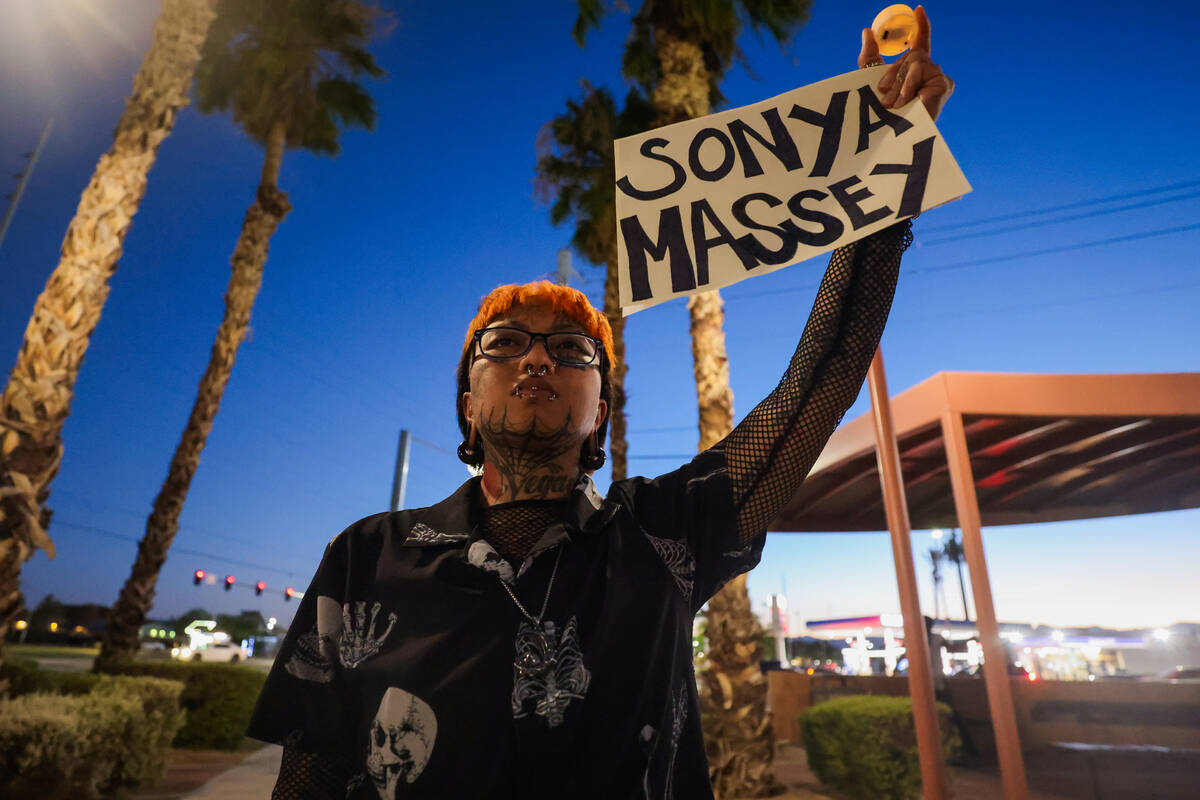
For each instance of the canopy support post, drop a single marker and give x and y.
(916, 640)
(995, 661)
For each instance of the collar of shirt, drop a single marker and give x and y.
(454, 522)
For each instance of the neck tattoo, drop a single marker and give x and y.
(525, 460)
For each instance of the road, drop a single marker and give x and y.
(61, 659)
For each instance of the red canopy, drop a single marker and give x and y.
(1042, 448)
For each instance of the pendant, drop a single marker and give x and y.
(548, 672)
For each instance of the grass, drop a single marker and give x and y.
(50, 651)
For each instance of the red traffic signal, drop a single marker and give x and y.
(197, 577)
(289, 593)
(258, 587)
(229, 579)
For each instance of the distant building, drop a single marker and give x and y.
(875, 645)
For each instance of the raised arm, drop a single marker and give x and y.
(771, 451)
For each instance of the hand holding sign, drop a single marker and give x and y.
(914, 74)
(708, 202)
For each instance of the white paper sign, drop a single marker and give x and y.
(708, 202)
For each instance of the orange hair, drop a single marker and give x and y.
(562, 299)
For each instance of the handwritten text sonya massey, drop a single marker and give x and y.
(745, 189)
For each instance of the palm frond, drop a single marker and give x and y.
(295, 61)
(590, 14)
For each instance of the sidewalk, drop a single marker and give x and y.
(252, 779)
(246, 773)
(252, 776)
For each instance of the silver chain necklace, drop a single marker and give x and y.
(537, 621)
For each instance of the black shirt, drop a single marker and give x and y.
(401, 655)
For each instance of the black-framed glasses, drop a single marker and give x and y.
(567, 348)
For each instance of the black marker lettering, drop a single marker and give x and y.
(850, 202)
(670, 244)
(831, 226)
(694, 155)
(677, 181)
(868, 103)
(918, 174)
(781, 144)
(830, 124)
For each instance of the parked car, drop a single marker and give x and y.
(214, 651)
(976, 671)
(1180, 675)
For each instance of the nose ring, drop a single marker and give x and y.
(541, 370)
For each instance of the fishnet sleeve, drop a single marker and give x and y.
(771, 451)
(311, 776)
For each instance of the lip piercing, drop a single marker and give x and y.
(520, 392)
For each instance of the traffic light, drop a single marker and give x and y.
(229, 579)
(289, 593)
(198, 577)
(258, 588)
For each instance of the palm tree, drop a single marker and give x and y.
(679, 51)
(287, 70)
(953, 552)
(38, 396)
(935, 558)
(576, 170)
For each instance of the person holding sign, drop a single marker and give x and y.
(527, 637)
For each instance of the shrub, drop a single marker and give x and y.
(24, 677)
(109, 741)
(140, 756)
(867, 746)
(218, 698)
(43, 752)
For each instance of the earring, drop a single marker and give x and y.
(467, 452)
(591, 456)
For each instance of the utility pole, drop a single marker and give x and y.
(23, 179)
(400, 481)
(565, 270)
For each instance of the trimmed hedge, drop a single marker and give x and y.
(218, 698)
(107, 742)
(866, 745)
(24, 677)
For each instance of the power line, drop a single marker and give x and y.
(1065, 207)
(433, 446)
(992, 259)
(1059, 220)
(672, 429)
(1024, 214)
(92, 529)
(1051, 250)
(671, 456)
(1052, 304)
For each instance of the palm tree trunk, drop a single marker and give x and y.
(38, 396)
(120, 640)
(738, 736)
(962, 587)
(618, 445)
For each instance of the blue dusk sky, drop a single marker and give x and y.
(374, 275)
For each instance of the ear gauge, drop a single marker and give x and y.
(468, 453)
(591, 455)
